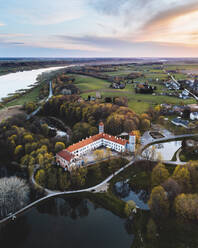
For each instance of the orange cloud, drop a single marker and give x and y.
(176, 25)
(166, 17)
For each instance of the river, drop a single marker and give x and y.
(21, 80)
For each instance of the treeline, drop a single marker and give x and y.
(175, 193)
(99, 72)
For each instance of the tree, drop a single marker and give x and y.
(41, 178)
(28, 138)
(113, 165)
(96, 172)
(151, 230)
(52, 179)
(59, 146)
(150, 153)
(28, 148)
(14, 195)
(45, 129)
(145, 124)
(193, 169)
(99, 154)
(182, 176)
(18, 151)
(64, 182)
(129, 207)
(78, 177)
(161, 119)
(186, 206)
(158, 202)
(172, 188)
(159, 174)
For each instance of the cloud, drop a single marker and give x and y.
(116, 7)
(2, 24)
(163, 18)
(175, 25)
(47, 12)
(91, 40)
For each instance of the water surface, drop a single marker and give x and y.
(166, 150)
(66, 223)
(20, 80)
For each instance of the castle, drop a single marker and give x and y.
(72, 156)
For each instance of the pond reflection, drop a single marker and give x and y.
(71, 223)
(123, 190)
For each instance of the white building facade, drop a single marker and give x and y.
(68, 156)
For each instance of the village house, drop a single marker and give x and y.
(72, 156)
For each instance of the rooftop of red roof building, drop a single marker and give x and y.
(66, 155)
(96, 137)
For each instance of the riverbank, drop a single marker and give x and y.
(13, 67)
(27, 89)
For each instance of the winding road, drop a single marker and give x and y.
(91, 189)
(98, 188)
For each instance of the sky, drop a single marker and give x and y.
(98, 28)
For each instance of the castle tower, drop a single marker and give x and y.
(132, 141)
(101, 127)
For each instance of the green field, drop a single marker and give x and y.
(85, 83)
(137, 102)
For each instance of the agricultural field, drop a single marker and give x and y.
(137, 102)
(140, 103)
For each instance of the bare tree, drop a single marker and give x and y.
(14, 194)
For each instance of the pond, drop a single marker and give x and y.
(123, 190)
(63, 222)
(166, 150)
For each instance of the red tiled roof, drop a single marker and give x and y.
(66, 155)
(94, 138)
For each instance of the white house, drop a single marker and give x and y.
(194, 116)
(71, 156)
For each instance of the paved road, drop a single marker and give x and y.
(145, 145)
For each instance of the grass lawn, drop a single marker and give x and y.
(86, 83)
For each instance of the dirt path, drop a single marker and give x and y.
(9, 112)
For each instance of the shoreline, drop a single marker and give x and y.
(28, 88)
